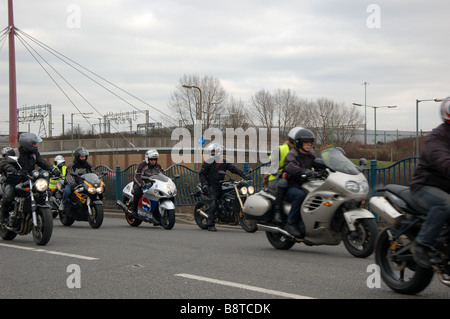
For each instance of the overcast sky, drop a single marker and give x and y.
(317, 48)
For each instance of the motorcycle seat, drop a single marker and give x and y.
(404, 193)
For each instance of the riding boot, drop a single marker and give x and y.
(279, 196)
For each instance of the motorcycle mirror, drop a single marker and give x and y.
(362, 161)
(319, 162)
(222, 173)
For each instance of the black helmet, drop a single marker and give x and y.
(29, 142)
(80, 151)
(303, 136)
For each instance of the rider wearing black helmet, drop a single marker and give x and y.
(28, 157)
(79, 165)
(298, 162)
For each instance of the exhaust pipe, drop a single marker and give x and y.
(122, 206)
(274, 229)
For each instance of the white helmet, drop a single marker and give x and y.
(445, 110)
(291, 134)
(7, 150)
(218, 151)
(59, 159)
(151, 154)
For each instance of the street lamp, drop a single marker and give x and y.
(198, 126)
(71, 124)
(375, 120)
(417, 121)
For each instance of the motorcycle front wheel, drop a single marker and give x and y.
(201, 220)
(42, 232)
(167, 218)
(96, 219)
(403, 276)
(361, 242)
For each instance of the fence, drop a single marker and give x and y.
(398, 173)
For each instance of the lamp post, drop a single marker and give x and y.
(375, 120)
(197, 126)
(417, 121)
(71, 124)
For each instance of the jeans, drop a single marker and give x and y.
(437, 202)
(66, 194)
(296, 196)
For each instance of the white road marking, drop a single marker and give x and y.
(49, 252)
(242, 286)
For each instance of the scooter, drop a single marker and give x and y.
(156, 204)
(332, 211)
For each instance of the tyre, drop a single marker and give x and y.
(248, 225)
(65, 220)
(279, 241)
(403, 276)
(131, 220)
(42, 232)
(7, 234)
(200, 219)
(167, 218)
(96, 219)
(361, 242)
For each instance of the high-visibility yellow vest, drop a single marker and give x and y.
(54, 181)
(283, 150)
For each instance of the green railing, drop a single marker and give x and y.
(398, 173)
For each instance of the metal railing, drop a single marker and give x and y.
(398, 173)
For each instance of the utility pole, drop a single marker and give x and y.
(12, 78)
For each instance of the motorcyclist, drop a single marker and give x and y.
(148, 167)
(60, 164)
(28, 157)
(79, 165)
(298, 162)
(430, 186)
(211, 180)
(275, 181)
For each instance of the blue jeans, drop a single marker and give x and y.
(437, 202)
(66, 194)
(296, 196)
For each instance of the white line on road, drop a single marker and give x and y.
(49, 252)
(242, 286)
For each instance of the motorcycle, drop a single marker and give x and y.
(332, 211)
(86, 201)
(229, 207)
(156, 204)
(394, 247)
(31, 211)
(55, 197)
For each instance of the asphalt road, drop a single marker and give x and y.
(187, 263)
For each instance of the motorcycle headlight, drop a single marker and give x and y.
(357, 187)
(41, 185)
(251, 190)
(244, 190)
(100, 190)
(92, 190)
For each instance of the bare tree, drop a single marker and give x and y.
(184, 102)
(236, 114)
(288, 109)
(263, 109)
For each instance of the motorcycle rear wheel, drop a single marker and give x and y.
(201, 220)
(279, 241)
(131, 220)
(248, 225)
(43, 231)
(404, 277)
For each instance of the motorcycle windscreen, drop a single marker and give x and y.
(336, 159)
(148, 205)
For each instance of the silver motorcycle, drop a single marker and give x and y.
(332, 211)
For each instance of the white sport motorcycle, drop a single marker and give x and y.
(156, 204)
(331, 212)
